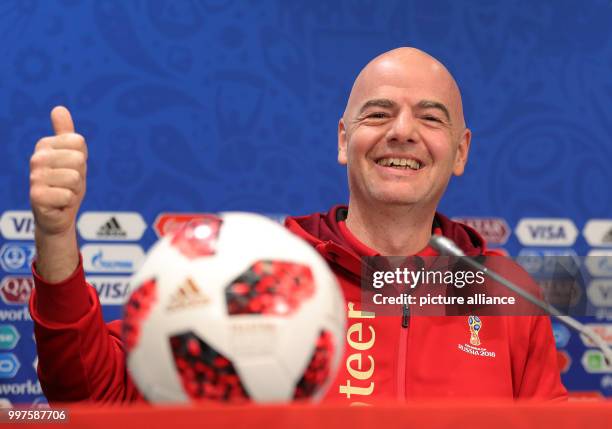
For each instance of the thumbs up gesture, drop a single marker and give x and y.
(58, 170)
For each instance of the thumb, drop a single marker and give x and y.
(61, 120)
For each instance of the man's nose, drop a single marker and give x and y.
(403, 129)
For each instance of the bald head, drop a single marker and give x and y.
(412, 69)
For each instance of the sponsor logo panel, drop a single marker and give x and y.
(600, 292)
(604, 330)
(495, 230)
(594, 362)
(598, 232)
(16, 290)
(599, 263)
(548, 261)
(112, 258)
(546, 232)
(112, 290)
(562, 335)
(9, 365)
(17, 257)
(17, 225)
(111, 226)
(9, 337)
(166, 223)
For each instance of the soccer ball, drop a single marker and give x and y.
(233, 308)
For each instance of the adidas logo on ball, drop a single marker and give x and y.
(187, 295)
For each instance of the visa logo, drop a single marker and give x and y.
(546, 232)
(112, 290)
(17, 225)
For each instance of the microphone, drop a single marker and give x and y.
(448, 247)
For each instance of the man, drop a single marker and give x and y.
(402, 136)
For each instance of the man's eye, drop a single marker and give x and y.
(377, 115)
(432, 118)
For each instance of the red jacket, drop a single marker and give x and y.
(82, 358)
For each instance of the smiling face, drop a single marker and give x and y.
(402, 135)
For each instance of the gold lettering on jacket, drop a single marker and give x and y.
(360, 339)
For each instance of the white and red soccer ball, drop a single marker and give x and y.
(233, 308)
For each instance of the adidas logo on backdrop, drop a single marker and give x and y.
(111, 229)
(111, 226)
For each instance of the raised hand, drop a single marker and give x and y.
(58, 170)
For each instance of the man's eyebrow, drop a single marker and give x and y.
(429, 104)
(385, 103)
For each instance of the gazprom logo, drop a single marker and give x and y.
(112, 258)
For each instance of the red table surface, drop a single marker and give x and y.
(441, 414)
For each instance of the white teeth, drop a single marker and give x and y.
(400, 163)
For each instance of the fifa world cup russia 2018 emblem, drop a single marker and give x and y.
(475, 326)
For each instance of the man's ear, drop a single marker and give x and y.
(342, 142)
(463, 148)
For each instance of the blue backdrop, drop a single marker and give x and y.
(210, 105)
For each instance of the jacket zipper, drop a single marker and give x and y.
(403, 352)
